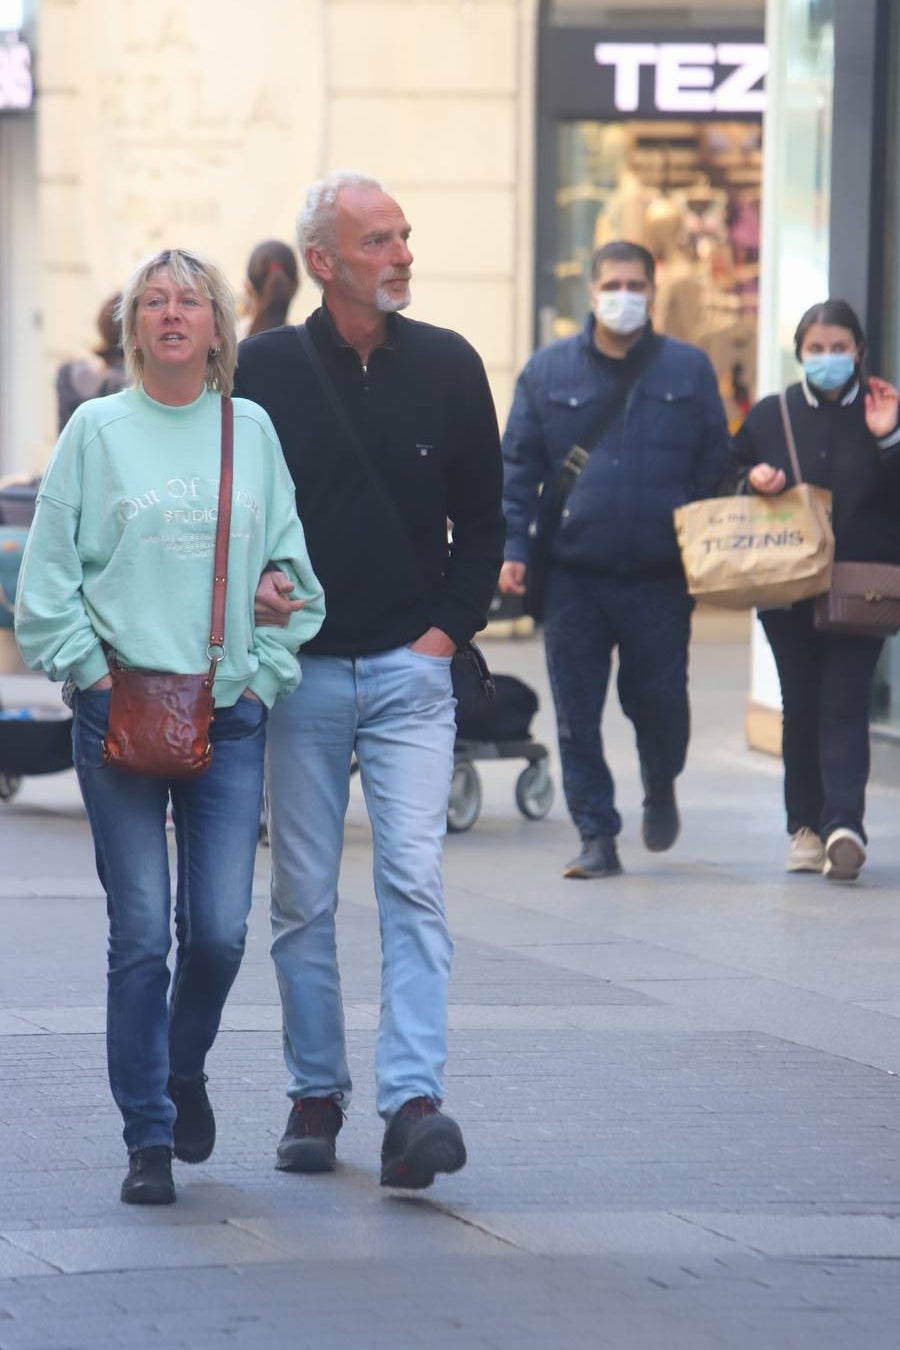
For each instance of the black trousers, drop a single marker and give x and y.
(649, 621)
(826, 693)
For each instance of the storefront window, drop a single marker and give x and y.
(803, 167)
(652, 133)
(689, 191)
(886, 708)
(892, 254)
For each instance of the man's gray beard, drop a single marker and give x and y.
(386, 303)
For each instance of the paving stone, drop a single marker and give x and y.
(675, 1088)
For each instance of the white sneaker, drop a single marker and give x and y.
(845, 854)
(806, 852)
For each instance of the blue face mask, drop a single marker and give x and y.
(829, 370)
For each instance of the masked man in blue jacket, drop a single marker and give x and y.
(648, 412)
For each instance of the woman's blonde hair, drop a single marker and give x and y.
(187, 270)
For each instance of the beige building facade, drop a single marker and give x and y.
(513, 132)
(200, 125)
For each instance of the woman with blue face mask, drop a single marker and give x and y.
(845, 424)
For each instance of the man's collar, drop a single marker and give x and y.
(587, 336)
(391, 336)
(814, 401)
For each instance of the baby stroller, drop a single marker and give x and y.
(498, 728)
(494, 728)
(31, 742)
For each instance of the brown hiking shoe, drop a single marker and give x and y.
(308, 1142)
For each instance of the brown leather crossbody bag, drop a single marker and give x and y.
(158, 722)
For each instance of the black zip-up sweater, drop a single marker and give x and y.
(378, 540)
(836, 450)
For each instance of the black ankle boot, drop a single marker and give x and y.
(598, 858)
(149, 1180)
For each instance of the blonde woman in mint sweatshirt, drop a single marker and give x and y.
(120, 556)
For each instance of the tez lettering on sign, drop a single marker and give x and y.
(685, 75)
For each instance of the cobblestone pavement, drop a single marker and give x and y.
(678, 1089)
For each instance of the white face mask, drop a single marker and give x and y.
(621, 312)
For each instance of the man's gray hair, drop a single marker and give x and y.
(315, 219)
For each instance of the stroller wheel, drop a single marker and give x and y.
(9, 786)
(534, 790)
(464, 806)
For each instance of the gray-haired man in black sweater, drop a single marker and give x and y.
(389, 430)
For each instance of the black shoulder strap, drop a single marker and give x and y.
(577, 456)
(619, 397)
(353, 438)
(470, 652)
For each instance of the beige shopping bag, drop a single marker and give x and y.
(742, 552)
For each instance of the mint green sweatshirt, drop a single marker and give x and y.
(121, 548)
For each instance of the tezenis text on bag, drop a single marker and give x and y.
(732, 543)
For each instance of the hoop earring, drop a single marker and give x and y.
(214, 352)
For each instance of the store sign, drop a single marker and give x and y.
(689, 77)
(16, 83)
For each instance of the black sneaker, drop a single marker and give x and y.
(598, 858)
(661, 823)
(419, 1142)
(194, 1132)
(308, 1143)
(149, 1180)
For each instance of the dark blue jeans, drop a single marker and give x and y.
(826, 696)
(649, 621)
(151, 1030)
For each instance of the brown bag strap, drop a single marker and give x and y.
(216, 648)
(789, 437)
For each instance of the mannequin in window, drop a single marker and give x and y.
(678, 308)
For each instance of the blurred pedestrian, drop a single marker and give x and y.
(119, 560)
(77, 381)
(271, 283)
(648, 425)
(845, 425)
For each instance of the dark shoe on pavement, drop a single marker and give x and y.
(194, 1133)
(419, 1142)
(308, 1143)
(661, 824)
(598, 858)
(149, 1180)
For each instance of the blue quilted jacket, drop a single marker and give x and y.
(668, 446)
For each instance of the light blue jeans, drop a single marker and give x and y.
(395, 710)
(150, 1030)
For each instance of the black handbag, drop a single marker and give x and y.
(548, 522)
